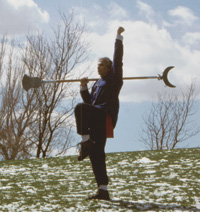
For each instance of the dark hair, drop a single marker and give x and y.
(107, 62)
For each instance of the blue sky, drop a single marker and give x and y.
(158, 34)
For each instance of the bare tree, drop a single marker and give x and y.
(170, 121)
(16, 112)
(54, 58)
(41, 119)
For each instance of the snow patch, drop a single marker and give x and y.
(144, 160)
(45, 166)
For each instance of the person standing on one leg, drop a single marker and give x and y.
(97, 116)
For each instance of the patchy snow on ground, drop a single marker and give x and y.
(139, 181)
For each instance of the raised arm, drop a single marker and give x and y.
(117, 59)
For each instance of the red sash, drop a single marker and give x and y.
(109, 127)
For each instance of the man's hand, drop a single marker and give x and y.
(120, 30)
(84, 81)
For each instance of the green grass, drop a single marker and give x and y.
(139, 181)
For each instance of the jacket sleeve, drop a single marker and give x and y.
(117, 65)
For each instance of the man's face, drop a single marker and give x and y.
(103, 70)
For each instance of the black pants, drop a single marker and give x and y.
(91, 120)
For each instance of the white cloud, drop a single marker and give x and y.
(145, 10)
(116, 11)
(20, 3)
(184, 15)
(21, 16)
(192, 38)
(98, 17)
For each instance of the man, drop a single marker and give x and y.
(97, 116)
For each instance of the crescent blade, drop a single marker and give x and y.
(165, 77)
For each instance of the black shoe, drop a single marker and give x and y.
(101, 194)
(85, 149)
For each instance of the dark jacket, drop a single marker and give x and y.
(105, 92)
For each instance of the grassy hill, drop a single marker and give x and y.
(139, 181)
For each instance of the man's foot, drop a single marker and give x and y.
(85, 149)
(101, 194)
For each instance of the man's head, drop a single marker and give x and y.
(104, 66)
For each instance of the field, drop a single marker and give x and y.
(139, 181)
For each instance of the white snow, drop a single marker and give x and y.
(45, 166)
(139, 182)
(143, 160)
